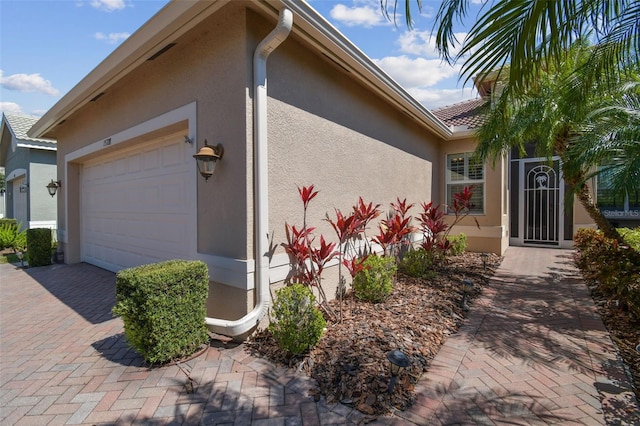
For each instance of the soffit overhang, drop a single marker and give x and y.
(178, 17)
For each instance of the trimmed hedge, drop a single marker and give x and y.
(163, 308)
(39, 246)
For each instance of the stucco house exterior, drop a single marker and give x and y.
(29, 165)
(198, 71)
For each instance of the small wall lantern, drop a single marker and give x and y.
(53, 186)
(398, 361)
(207, 158)
(23, 187)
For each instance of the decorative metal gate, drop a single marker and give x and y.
(542, 198)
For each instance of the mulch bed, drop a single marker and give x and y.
(623, 329)
(349, 363)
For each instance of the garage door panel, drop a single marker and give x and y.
(137, 205)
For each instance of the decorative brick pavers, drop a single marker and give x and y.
(532, 352)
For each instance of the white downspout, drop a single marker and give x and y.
(261, 184)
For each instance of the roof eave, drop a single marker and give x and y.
(362, 67)
(173, 20)
(178, 17)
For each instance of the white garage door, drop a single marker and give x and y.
(138, 205)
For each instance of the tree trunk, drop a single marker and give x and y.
(583, 192)
(584, 195)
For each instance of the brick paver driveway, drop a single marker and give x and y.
(532, 352)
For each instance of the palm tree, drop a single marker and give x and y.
(575, 114)
(532, 35)
(583, 127)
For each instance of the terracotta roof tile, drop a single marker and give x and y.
(467, 113)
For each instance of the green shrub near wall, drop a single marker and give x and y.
(458, 244)
(163, 308)
(375, 282)
(39, 246)
(8, 221)
(298, 323)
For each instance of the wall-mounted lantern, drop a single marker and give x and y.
(23, 187)
(53, 186)
(207, 158)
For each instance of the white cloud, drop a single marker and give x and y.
(10, 108)
(108, 5)
(366, 15)
(111, 38)
(436, 98)
(418, 72)
(423, 44)
(28, 83)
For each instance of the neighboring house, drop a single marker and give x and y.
(3, 190)
(198, 71)
(29, 165)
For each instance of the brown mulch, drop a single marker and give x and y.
(349, 363)
(623, 329)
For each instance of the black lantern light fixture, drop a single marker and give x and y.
(484, 257)
(207, 158)
(398, 361)
(53, 186)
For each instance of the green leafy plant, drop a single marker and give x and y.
(374, 283)
(11, 237)
(615, 268)
(631, 237)
(458, 244)
(297, 323)
(39, 246)
(162, 306)
(418, 263)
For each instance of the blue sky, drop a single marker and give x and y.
(48, 46)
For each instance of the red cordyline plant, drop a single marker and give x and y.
(308, 262)
(348, 229)
(395, 229)
(433, 227)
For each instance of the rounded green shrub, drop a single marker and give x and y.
(39, 246)
(297, 323)
(375, 282)
(163, 308)
(418, 263)
(458, 244)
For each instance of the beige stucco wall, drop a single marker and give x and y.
(492, 235)
(329, 131)
(324, 129)
(207, 66)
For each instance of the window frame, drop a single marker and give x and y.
(466, 181)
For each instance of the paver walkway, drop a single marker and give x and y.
(532, 352)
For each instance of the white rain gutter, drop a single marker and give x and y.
(261, 184)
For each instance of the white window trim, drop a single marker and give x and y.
(466, 182)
